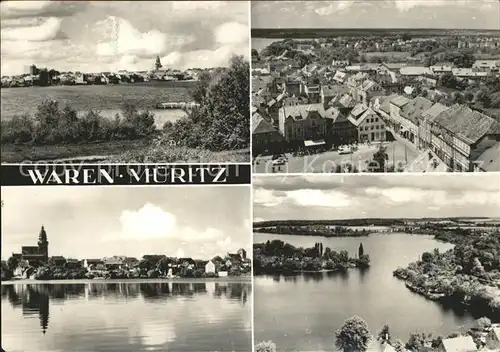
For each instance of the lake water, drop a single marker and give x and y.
(302, 312)
(200, 316)
(108, 99)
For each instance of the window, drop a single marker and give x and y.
(376, 120)
(372, 127)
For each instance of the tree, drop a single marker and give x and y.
(483, 323)
(384, 335)
(265, 346)
(255, 55)
(427, 257)
(415, 342)
(353, 336)
(379, 159)
(200, 90)
(361, 251)
(12, 263)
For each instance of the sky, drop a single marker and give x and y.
(328, 197)
(112, 35)
(96, 222)
(470, 14)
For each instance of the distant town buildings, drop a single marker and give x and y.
(49, 77)
(343, 101)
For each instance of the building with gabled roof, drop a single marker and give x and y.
(370, 126)
(265, 138)
(426, 119)
(411, 116)
(458, 344)
(460, 135)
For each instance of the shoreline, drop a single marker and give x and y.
(229, 279)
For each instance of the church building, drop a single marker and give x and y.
(39, 253)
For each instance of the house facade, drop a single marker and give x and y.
(210, 267)
(302, 122)
(265, 138)
(369, 124)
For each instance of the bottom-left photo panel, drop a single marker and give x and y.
(126, 269)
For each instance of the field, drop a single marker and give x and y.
(17, 101)
(105, 152)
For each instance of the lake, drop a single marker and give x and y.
(302, 312)
(196, 316)
(108, 99)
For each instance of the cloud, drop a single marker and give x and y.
(109, 36)
(332, 196)
(47, 30)
(124, 39)
(231, 33)
(265, 198)
(312, 197)
(333, 7)
(23, 9)
(148, 222)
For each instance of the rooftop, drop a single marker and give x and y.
(260, 125)
(414, 109)
(469, 125)
(459, 344)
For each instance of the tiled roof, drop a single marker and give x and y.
(400, 101)
(414, 109)
(431, 113)
(414, 71)
(459, 344)
(358, 110)
(260, 125)
(356, 120)
(301, 112)
(467, 124)
(489, 161)
(347, 101)
(385, 103)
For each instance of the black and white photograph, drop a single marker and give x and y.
(125, 81)
(375, 86)
(126, 269)
(372, 263)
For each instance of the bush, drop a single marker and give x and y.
(53, 125)
(265, 346)
(223, 120)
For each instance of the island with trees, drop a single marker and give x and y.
(278, 257)
(467, 275)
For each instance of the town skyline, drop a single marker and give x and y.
(102, 37)
(324, 197)
(446, 14)
(133, 223)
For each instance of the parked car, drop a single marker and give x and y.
(345, 150)
(279, 161)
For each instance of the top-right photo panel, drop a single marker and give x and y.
(375, 86)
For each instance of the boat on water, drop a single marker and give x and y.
(178, 105)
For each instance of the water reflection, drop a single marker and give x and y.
(35, 299)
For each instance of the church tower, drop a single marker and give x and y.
(43, 244)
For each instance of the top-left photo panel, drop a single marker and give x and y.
(125, 82)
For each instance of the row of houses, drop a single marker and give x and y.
(464, 139)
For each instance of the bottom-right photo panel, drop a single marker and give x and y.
(377, 263)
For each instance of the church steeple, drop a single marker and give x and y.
(42, 237)
(158, 64)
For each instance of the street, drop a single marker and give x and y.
(400, 153)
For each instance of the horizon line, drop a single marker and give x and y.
(389, 218)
